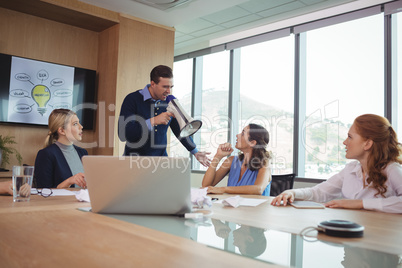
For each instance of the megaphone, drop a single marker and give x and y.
(188, 126)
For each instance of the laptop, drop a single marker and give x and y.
(138, 184)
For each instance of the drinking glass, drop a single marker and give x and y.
(22, 183)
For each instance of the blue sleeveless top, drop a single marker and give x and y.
(248, 178)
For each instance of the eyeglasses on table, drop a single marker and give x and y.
(45, 192)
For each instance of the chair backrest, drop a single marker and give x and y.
(281, 183)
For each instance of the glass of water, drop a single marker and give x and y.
(22, 183)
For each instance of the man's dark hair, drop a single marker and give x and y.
(161, 71)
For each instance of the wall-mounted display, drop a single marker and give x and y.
(31, 89)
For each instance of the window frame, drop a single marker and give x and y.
(390, 89)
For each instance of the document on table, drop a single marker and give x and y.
(306, 204)
(57, 192)
(252, 202)
(63, 192)
(249, 202)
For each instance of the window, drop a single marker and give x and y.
(182, 90)
(266, 96)
(214, 101)
(340, 76)
(398, 73)
(344, 79)
(314, 254)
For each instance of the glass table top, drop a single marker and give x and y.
(269, 246)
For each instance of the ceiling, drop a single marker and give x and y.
(203, 23)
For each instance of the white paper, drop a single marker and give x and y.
(252, 202)
(249, 202)
(199, 197)
(83, 195)
(57, 192)
(62, 192)
(233, 201)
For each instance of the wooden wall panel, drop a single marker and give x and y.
(123, 55)
(29, 139)
(141, 47)
(32, 37)
(107, 79)
(90, 10)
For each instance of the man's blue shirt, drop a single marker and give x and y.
(135, 128)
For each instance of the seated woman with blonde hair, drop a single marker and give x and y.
(59, 164)
(249, 173)
(373, 182)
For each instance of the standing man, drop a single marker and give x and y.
(144, 121)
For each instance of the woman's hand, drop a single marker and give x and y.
(221, 229)
(6, 187)
(345, 203)
(224, 149)
(25, 190)
(215, 190)
(286, 196)
(78, 179)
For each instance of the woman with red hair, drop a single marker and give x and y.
(373, 182)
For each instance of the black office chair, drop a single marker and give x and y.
(281, 183)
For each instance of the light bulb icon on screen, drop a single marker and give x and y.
(41, 95)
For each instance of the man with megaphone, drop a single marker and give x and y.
(145, 116)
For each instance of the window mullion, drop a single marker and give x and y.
(196, 108)
(234, 94)
(299, 105)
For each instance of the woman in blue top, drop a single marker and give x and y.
(249, 173)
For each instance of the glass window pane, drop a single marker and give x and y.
(398, 73)
(316, 253)
(182, 90)
(215, 99)
(344, 79)
(267, 96)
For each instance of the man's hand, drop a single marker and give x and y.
(162, 119)
(202, 158)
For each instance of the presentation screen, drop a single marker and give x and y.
(30, 90)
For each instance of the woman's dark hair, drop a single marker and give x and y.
(260, 156)
(161, 71)
(386, 148)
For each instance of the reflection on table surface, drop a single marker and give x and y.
(265, 245)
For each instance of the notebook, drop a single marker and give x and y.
(306, 204)
(138, 184)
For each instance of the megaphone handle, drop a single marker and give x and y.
(179, 111)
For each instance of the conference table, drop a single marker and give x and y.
(61, 231)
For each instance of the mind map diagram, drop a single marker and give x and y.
(36, 88)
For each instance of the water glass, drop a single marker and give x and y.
(22, 183)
